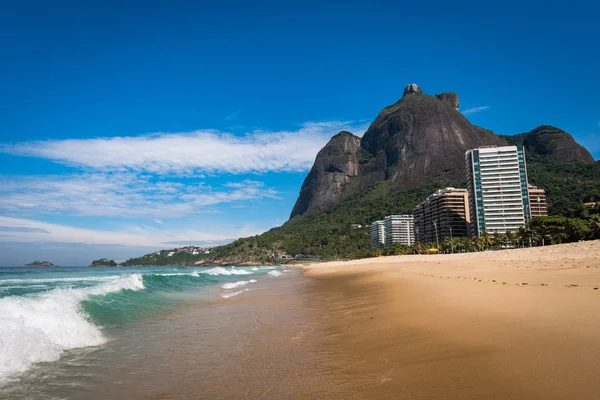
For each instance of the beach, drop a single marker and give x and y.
(509, 324)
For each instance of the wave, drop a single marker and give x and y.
(39, 328)
(233, 285)
(58, 280)
(232, 294)
(223, 271)
(274, 273)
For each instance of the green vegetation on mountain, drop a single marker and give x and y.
(180, 256)
(327, 233)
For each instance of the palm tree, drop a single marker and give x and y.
(522, 235)
(510, 238)
(486, 240)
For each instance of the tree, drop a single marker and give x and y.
(510, 238)
(486, 240)
(577, 229)
(522, 235)
(595, 226)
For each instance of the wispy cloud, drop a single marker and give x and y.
(193, 152)
(234, 114)
(26, 230)
(124, 194)
(474, 110)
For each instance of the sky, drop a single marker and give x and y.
(132, 126)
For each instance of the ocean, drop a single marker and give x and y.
(87, 332)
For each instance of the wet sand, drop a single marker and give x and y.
(512, 324)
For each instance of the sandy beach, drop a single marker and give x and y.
(511, 324)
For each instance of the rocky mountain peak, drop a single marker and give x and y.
(412, 88)
(450, 98)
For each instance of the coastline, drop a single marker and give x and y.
(508, 324)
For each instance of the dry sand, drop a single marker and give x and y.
(514, 324)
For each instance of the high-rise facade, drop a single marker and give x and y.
(378, 234)
(537, 202)
(444, 213)
(498, 189)
(399, 229)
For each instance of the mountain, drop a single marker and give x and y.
(551, 144)
(417, 141)
(420, 140)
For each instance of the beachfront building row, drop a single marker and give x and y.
(393, 229)
(444, 213)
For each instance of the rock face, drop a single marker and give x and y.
(450, 98)
(419, 140)
(412, 88)
(334, 168)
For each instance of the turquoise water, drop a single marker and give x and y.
(47, 311)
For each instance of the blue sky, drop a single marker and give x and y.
(131, 126)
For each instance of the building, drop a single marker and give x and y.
(537, 202)
(377, 234)
(444, 213)
(498, 192)
(399, 229)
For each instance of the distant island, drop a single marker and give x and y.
(103, 262)
(37, 263)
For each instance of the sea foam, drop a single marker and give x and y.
(233, 285)
(224, 271)
(39, 328)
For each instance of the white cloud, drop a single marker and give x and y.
(474, 110)
(193, 152)
(122, 194)
(26, 230)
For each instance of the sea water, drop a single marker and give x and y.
(46, 313)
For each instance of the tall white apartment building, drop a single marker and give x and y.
(497, 185)
(378, 234)
(399, 229)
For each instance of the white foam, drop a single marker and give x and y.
(233, 285)
(39, 328)
(254, 269)
(231, 294)
(223, 271)
(274, 273)
(49, 280)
